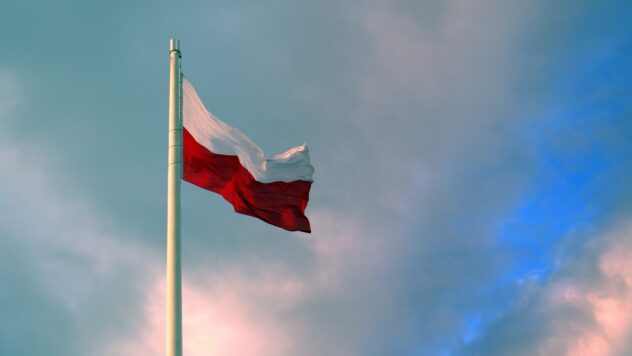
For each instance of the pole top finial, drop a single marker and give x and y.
(174, 45)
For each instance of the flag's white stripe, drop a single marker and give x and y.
(220, 138)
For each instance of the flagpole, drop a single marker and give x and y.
(174, 175)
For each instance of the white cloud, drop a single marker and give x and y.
(394, 266)
(584, 309)
(424, 103)
(257, 307)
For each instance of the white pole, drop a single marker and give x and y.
(174, 275)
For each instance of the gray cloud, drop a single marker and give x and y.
(414, 114)
(72, 274)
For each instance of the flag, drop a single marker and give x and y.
(220, 158)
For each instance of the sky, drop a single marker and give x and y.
(471, 191)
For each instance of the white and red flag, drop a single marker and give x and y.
(219, 158)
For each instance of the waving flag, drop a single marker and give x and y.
(220, 158)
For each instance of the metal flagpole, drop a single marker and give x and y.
(174, 275)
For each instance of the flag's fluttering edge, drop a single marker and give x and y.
(219, 158)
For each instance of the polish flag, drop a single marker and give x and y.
(219, 158)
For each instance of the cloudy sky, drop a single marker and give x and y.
(472, 191)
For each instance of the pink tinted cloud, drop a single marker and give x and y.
(227, 314)
(605, 300)
(256, 307)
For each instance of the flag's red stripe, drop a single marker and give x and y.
(278, 203)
